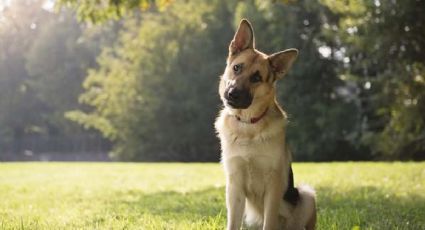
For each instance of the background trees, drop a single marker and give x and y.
(43, 61)
(147, 79)
(158, 84)
(383, 45)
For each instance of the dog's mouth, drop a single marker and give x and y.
(240, 104)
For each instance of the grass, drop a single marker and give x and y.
(191, 196)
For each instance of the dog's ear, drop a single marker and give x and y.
(243, 39)
(282, 61)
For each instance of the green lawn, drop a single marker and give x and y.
(191, 196)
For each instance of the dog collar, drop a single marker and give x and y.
(254, 119)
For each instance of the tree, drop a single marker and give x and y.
(17, 102)
(155, 91)
(101, 11)
(43, 61)
(355, 93)
(384, 51)
(320, 119)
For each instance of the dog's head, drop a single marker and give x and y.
(250, 76)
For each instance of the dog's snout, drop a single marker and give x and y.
(233, 94)
(238, 98)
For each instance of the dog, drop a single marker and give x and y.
(251, 129)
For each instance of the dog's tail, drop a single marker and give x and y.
(305, 212)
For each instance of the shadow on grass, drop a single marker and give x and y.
(169, 206)
(369, 207)
(366, 207)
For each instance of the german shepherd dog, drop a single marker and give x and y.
(251, 128)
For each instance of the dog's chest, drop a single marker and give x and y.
(257, 174)
(252, 154)
(252, 164)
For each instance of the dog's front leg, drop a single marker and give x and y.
(235, 202)
(272, 201)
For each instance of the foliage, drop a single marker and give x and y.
(191, 196)
(355, 93)
(43, 61)
(57, 63)
(383, 44)
(137, 92)
(160, 77)
(15, 96)
(100, 11)
(320, 119)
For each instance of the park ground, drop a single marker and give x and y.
(191, 195)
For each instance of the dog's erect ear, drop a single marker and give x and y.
(282, 61)
(243, 39)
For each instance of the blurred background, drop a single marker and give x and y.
(136, 80)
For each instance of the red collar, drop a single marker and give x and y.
(254, 119)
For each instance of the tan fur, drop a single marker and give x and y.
(254, 156)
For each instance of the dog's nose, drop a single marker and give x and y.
(238, 98)
(233, 94)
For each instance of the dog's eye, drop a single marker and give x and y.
(256, 77)
(237, 68)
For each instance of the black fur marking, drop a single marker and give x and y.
(291, 195)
